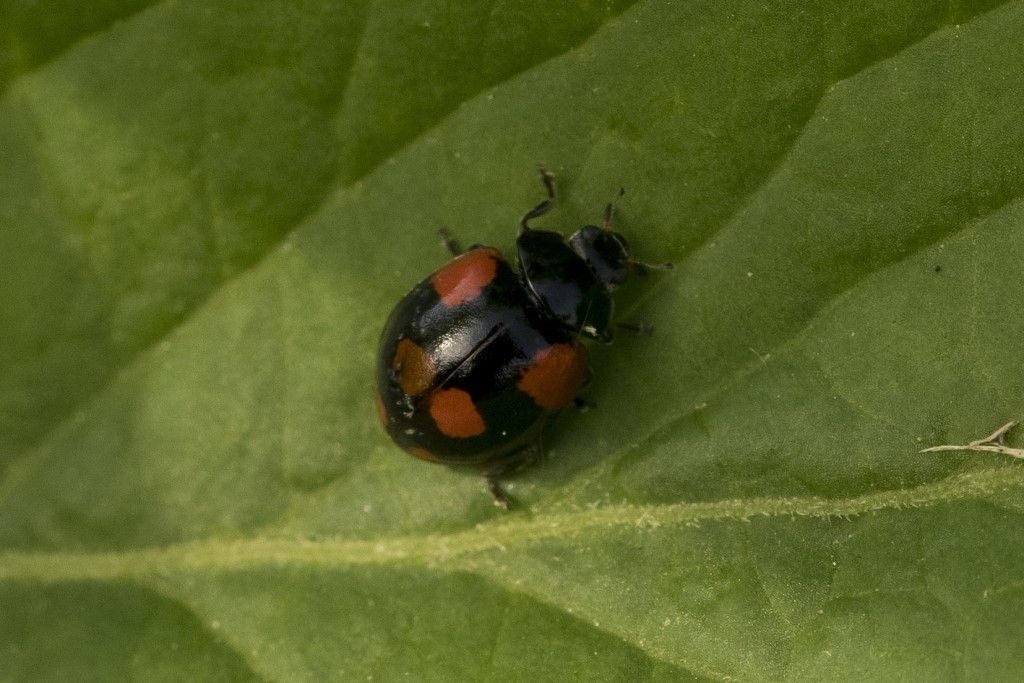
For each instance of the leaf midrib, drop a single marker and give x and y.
(225, 555)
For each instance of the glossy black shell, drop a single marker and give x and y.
(482, 347)
(564, 284)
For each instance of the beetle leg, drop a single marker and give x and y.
(450, 243)
(582, 404)
(535, 212)
(501, 498)
(588, 378)
(516, 461)
(642, 267)
(549, 185)
(609, 210)
(548, 178)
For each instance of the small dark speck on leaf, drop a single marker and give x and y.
(938, 268)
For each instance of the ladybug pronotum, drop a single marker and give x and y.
(476, 358)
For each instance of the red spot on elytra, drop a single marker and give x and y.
(464, 278)
(557, 374)
(416, 370)
(455, 415)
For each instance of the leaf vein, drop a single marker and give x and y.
(824, 92)
(820, 312)
(226, 555)
(672, 658)
(154, 586)
(39, 66)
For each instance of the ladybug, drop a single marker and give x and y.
(477, 357)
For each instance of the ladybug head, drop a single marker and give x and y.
(605, 251)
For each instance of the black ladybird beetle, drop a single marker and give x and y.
(476, 358)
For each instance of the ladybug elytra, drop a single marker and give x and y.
(476, 358)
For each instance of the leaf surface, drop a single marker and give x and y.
(208, 212)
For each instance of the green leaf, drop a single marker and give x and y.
(207, 211)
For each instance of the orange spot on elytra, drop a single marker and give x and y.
(382, 413)
(455, 415)
(415, 369)
(422, 454)
(557, 374)
(464, 278)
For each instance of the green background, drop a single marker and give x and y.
(207, 210)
